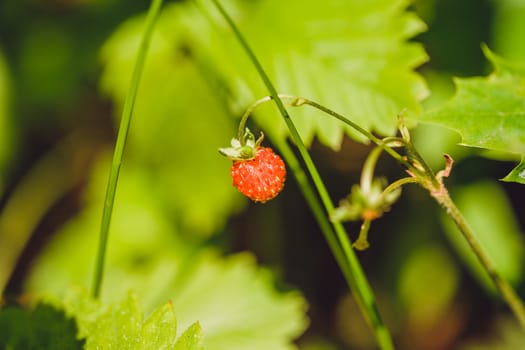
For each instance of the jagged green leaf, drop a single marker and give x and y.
(353, 56)
(42, 328)
(488, 112)
(234, 302)
(159, 327)
(517, 174)
(121, 325)
(191, 339)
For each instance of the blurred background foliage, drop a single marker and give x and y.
(180, 232)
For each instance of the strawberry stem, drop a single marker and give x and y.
(242, 124)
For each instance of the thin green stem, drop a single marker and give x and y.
(399, 183)
(300, 101)
(364, 132)
(367, 175)
(246, 115)
(362, 241)
(505, 289)
(297, 101)
(422, 169)
(153, 14)
(359, 283)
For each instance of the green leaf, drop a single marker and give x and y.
(234, 301)
(517, 174)
(121, 325)
(488, 112)
(353, 56)
(191, 339)
(153, 336)
(42, 328)
(497, 230)
(505, 68)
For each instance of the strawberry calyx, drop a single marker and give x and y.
(244, 148)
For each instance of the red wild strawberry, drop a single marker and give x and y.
(257, 172)
(261, 178)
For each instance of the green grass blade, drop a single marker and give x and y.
(127, 112)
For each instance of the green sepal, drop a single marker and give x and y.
(244, 149)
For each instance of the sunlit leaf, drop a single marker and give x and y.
(352, 56)
(234, 302)
(488, 112)
(121, 325)
(158, 330)
(490, 214)
(191, 339)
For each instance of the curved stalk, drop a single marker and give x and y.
(399, 183)
(367, 174)
(297, 101)
(125, 122)
(246, 115)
